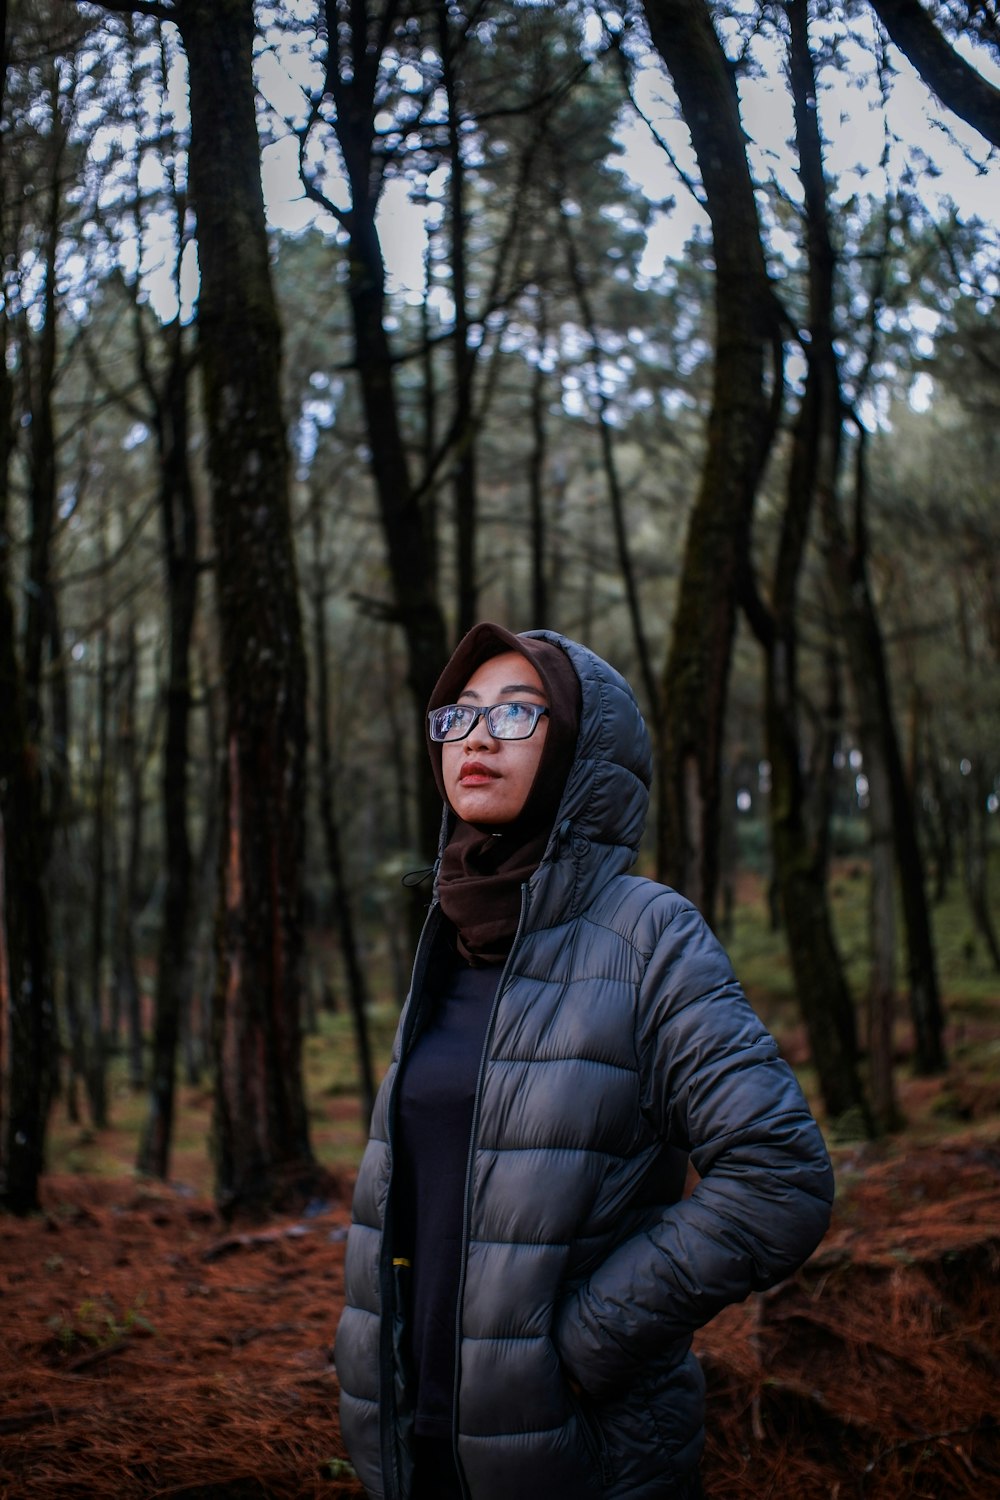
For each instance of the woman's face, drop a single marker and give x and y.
(488, 780)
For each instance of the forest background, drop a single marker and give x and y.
(687, 346)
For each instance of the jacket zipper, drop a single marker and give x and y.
(389, 1443)
(467, 1205)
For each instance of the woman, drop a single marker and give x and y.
(524, 1274)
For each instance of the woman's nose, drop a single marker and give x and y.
(479, 736)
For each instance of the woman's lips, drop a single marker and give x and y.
(476, 773)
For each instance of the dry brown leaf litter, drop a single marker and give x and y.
(148, 1349)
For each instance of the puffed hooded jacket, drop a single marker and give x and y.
(619, 1047)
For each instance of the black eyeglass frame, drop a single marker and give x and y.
(537, 710)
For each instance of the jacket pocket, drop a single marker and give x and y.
(592, 1434)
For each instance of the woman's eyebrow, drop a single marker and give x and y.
(512, 687)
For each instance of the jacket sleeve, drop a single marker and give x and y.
(713, 1084)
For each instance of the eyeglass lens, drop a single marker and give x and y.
(505, 721)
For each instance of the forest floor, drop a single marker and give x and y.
(147, 1348)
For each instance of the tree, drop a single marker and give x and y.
(26, 1016)
(261, 1130)
(848, 571)
(931, 477)
(165, 359)
(523, 435)
(581, 291)
(27, 1020)
(357, 986)
(799, 834)
(174, 967)
(408, 86)
(745, 402)
(261, 1135)
(26, 1011)
(358, 38)
(464, 489)
(957, 84)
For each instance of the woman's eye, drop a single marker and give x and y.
(451, 719)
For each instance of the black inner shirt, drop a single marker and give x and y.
(433, 1131)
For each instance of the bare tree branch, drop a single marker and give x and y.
(956, 83)
(162, 12)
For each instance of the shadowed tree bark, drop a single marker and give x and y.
(616, 496)
(261, 1134)
(745, 402)
(976, 864)
(39, 350)
(847, 563)
(97, 1038)
(464, 487)
(365, 40)
(537, 460)
(848, 570)
(957, 84)
(27, 1019)
(799, 822)
(261, 1130)
(26, 1016)
(175, 968)
(131, 760)
(357, 36)
(354, 971)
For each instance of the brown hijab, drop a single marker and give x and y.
(483, 869)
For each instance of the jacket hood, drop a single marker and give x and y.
(602, 813)
(606, 796)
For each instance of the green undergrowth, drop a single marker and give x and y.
(969, 983)
(969, 1093)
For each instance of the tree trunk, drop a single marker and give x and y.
(536, 472)
(96, 1037)
(195, 1020)
(27, 1029)
(261, 1126)
(175, 959)
(800, 876)
(882, 985)
(39, 360)
(429, 406)
(409, 552)
(847, 562)
(799, 833)
(615, 496)
(357, 987)
(799, 852)
(939, 819)
(463, 355)
(862, 637)
(956, 82)
(415, 603)
(977, 864)
(30, 803)
(740, 430)
(126, 983)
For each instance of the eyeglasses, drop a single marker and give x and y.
(505, 721)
